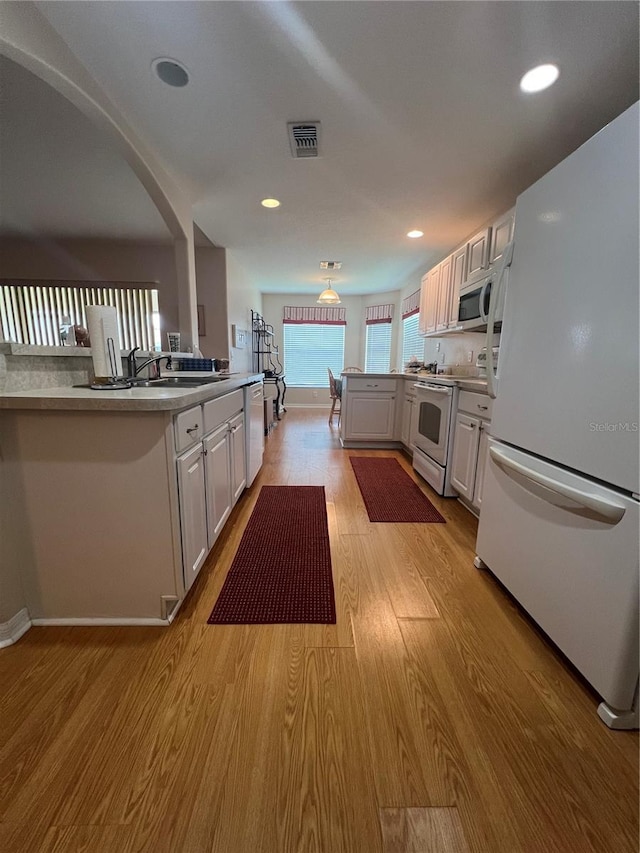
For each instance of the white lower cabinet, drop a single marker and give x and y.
(370, 417)
(193, 512)
(408, 414)
(470, 447)
(218, 481)
(238, 456)
(211, 475)
(465, 455)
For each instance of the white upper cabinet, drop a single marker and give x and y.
(444, 295)
(458, 272)
(478, 253)
(501, 234)
(440, 290)
(429, 301)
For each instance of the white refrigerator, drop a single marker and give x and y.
(559, 525)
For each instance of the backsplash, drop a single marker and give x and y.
(25, 372)
(453, 354)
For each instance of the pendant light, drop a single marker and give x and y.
(328, 296)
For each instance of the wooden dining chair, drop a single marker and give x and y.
(335, 392)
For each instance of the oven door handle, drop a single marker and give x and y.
(444, 390)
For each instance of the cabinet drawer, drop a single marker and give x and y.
(361, 383)
(188, 427)
(475, 404)
(222, 409)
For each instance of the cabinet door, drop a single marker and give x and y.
(501, 234)
(370, 417)
(238, 457)
(483, 449)
(478, 252)
(465, 455)
(433, 289)
(458, 271)
(422, 317)
(444, 294)
(429, 301)
(193, 513)
(218, 480)
(407, 418)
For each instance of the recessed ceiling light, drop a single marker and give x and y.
(415, 233)
(539, 78)
(270, 202)
(171, 72)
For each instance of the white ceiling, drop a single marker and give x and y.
(58, 176)
(423, 125)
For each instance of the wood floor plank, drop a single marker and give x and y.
(509, 745)
(403, 772)
(35, 838)
(325, 756)
(422, 831)
(409, 595)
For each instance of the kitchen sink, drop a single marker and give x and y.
(176, 382)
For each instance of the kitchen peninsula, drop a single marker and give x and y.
(114, 498)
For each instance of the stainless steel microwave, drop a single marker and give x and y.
(475, 299)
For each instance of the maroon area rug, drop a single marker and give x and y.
(389, 492)
(282, 569)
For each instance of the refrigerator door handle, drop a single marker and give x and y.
(483, 292)
(507, 258)
(611, 512)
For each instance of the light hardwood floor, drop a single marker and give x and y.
(431, 717)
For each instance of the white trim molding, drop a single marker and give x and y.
(89, 621)
(11, 631)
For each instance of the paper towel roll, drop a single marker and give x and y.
(102, 321)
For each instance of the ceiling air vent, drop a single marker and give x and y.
(330, 265)
(303, 138)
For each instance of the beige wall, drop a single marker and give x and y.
(124, 261)
(96, 260)
(211, 279)
(243, 296)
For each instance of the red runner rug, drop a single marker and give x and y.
(282, 569)
(389, 492)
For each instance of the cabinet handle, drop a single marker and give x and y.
(193, 429)
(484, 408)
(234, 429)
(372, 385)
(204, 452)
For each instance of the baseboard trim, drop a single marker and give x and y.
(96, 621)
(326, 405)
(11, 631)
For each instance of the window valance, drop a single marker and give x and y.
(411, 305)
(379, 314)
(320, 315)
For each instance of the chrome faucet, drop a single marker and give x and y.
(133, 370)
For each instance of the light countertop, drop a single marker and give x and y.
(130, 399)
(466, 383)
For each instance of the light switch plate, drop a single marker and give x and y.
(238, 337)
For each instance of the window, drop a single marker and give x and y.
(309, 348)
(378, 348)
(377, 357)
(412, 341)
(35, 312)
